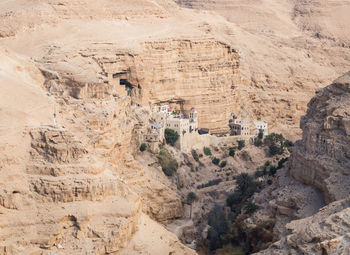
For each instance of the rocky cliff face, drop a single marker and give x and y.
(200, 73)
(310, 38)
(160, 62)
(326, 232)
(203, 73)
(322, 158)
(318, 167)
(73, 187)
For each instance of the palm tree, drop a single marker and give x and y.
(191, 197)
(243, 181)
(250, 207)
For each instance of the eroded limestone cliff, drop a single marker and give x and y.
(288, 49)
(322, 158)
(319, 168)
(69, 184)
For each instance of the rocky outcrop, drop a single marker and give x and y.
(319, 167)
(326, 232)
(322, 158)
(72, 186)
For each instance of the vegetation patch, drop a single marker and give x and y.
(258, 141)
(277, 144)
(143, 147)
(167, 162)
(223, 164)
(207, 151)
(215, 161)
(219, 227)
(232, 152)
(171, 136)
(209, 183)
(195, 155)
(241, 144)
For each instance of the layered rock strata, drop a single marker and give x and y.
(69, 183)
(159, 63)
(318, 168)
(322, 158)
(288, 49)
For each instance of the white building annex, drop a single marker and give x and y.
(261, 126)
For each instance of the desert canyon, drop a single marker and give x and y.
(84, 166)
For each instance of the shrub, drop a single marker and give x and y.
(209, 183)
(143, 147)
(260, 135)
(275, 149)
(167, 162)
(232, 152)
(258, 142)
(207, 151)
(281, 163)
(288, 143)
(272, 171)
(171, 136)
(273, 138)
(250, 207)
(215, 161)
(241, 144)
(258, 173)
(195, 155)
(223, 164)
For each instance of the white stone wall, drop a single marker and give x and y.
(197, 141)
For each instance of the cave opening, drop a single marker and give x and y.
(128, 86)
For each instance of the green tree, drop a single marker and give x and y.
(207, 151)
(243, 181)
(171, 136)
(195, 155)
(272, 171)
(191, 197)
(231, 152)
(214, 240)
(276, 143)
(260, 135)
(275, 149)
(215, 161)
(241, 144)
(143, 147)
(217, 220)
(167, 162)
(250, 207)
(258, 142)
(223, 164)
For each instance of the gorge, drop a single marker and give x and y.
(79, 79)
